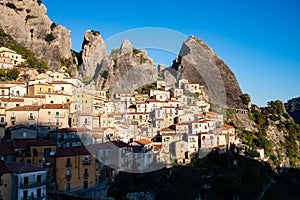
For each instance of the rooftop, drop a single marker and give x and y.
(22, 167)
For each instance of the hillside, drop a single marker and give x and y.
(226, 176)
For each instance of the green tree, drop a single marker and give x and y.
(246, 99)
(12, 74)
(43, 65)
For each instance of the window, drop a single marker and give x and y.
(62, 88)
(24, 134)
(57, 113)
(68, 186)
(26, 181)
(68, 163)
(17, 105)
(86, 160)
(2, 120)
(47, 151)
(39, 179)
(30, 115)
(49, 90)
(25, 194)
(86, 173)
(40, 89)
(49, 113)
(39, 192)
(68, 174)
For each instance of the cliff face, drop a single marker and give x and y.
(198, 63)
(93, 52)
(293, 108)
(125, 70)
(26, 21)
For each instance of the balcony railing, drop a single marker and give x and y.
(51, 124)
(86, 162)
(68, 164)
(86, 175)
(60, 116)
(13, 118)
(33, 184)
(31, 117)
(68, 177)
(34, 197)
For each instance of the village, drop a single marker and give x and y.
(56, 134)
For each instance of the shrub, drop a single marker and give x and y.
(104, 74)
(49, 37)
(12, 74)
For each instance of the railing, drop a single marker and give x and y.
(13, 118)
(68, 177)
(51, 124)
(86, 175)
(35, 197)
(86, 162)
(60, 116)
(68, 164)
(33, 184)
(31, 117)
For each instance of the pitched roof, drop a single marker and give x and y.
(55, 106)
(27, 142)
(24, 108)
(73, 129)
(22, 167)
(119, 144)
(3, 168)
(7, 149)
(12, 99)
(143, 142)
(41, 143)
(72, 151)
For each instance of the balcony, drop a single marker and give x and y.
(68, 164)
(60, 116)
(51, 124)
(87, 162)
(32, 184)
(34, 197)
(13, 118)
(31, 117)
(85, 175)
(68, 177)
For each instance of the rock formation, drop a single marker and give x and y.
(125, 70)
(93, 51)
(293, 108)
(198, 63)
(26, 21)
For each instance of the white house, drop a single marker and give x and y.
(29, 181)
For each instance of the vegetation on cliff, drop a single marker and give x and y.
(31, 61)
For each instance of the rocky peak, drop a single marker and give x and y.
(126, 48)
(93, 51)
(198, 63)
(26, 21)
(126, 69)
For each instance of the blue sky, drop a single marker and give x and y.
(259, 40)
